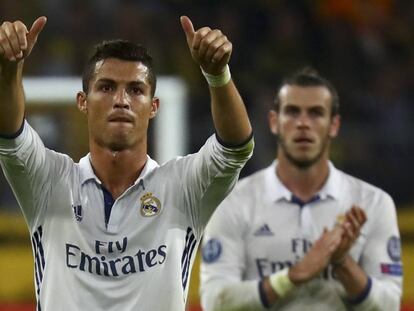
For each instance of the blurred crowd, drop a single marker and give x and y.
(366, 48)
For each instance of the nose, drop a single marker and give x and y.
(303, 120)
(121, 99)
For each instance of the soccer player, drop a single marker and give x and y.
(301, 234)
(116, 231)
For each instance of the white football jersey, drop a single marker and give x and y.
(133, 253)
(260, 228)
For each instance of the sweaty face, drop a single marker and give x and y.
(119, 104)
(304, 124)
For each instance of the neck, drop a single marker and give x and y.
(117, 170)
(304, 183)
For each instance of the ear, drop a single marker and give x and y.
(155, 104)
(82, 102)
(272, 120)
(334, 127)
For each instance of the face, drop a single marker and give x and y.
(304, 124)
(119, 104)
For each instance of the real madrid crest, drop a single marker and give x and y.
(150, 205)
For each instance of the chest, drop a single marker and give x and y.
(280, 234)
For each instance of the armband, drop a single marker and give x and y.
(281, 283)
(219, 80)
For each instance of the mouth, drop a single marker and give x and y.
(120, 119)
(303, 140)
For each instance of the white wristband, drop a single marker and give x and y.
(219, 80)
(281, 283)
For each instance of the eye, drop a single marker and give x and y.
(291, 111)
(106, 87)
(136, 90)
(315, 113)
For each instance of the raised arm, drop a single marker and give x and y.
(211, 50)
(16, 43)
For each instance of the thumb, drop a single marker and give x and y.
(37, 27)
(188, 29)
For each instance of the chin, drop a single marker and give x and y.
(303, 162)
(119, 145)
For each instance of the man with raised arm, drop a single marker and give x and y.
(273, 242)
(116, 231)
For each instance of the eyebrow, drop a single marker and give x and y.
(314, 106)
(112, 81)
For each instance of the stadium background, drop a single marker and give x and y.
(365, 47)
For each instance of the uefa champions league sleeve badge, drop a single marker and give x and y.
(150, 205)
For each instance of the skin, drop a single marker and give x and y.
(305, 128)
(119, 107)
(119, 104)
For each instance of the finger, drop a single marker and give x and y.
(21, 32)
(354, 223)
(199, 36)
(214, 48)
(207, 41)
(360, 215)
(11, 42)
(188, 29)
(350, 233)
(8, 52)
(35, 30)
(222, 56)
(334, 243)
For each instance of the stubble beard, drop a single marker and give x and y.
(302, 164)
(114, 144)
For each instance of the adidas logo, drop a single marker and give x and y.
(263, 231)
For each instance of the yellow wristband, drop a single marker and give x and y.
(219, 80)
(281, 283)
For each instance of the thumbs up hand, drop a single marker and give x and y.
(16, 42)
(210, 48)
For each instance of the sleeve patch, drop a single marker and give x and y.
(392, 269)
(394, 248)
(211, 251)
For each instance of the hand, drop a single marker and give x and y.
(209, 48)
(318, 257)
(351, 223)
(16, 42)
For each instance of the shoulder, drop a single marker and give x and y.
(248, 192)
(364, 192)
(252, 182)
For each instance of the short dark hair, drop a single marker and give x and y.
(308, 77)
(120, 49)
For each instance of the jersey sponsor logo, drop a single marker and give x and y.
(266, 267)
(394, 248)
(392, 269)
(123, 264)
(77, 210)
(211, 251)
(150, 205)
(289, 257)
(264, 230)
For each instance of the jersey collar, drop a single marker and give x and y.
(275, 190)
(87, 172)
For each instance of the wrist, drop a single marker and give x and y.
(339, 263)
(298, 274)
(11, 70)
(280, 282)
(218, 80)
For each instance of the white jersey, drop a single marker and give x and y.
(258, 230)
(141, 256)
